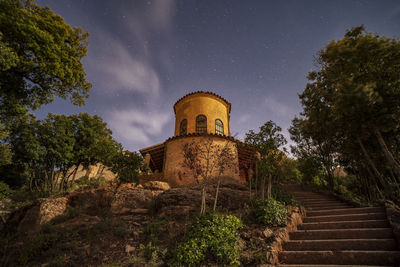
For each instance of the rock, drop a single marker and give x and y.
(130, 199)
(50, 208)
(393, 215)
(157, 185)
(81, 220)
(129, 249)
(175, 212)
(268, 233)
(41, 212)
(99, 198)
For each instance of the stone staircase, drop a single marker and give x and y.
(334, 233)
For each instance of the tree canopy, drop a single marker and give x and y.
(40, 57)
(351, 109)
(267, 142)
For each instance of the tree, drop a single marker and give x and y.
(316, 144)
(267, 142)
(127, 166)
(45, 150)
(206, 159)
(93, 142)
(40, 57)
(5, 151)
(354, 96)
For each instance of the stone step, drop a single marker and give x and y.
(328, 265)
(346, 211)
(313, 198)
(323, 205)
(325, 202)
(345, 225)
(356, 233)
(340, 257)
(344, 206)
(346, 217)
(341, 244)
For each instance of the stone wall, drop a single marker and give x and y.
(175, 172)
(206, 104)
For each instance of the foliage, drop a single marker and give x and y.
(148, 255)
(40, 57)
(152, 229)
(267, 143)
(5, 190)
(127, 165)
(45, 150)
(270, 212)
(281, 195)
(86, 182)
(213, 234)
(5, 151)
(350, 111)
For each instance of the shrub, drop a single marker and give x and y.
(279, 194)
(270, 213)
(5, 190)
(212, 234)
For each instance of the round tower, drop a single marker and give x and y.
(202, 112)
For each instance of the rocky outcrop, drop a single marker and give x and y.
(157, 185)
(43, 211)
(393, 215)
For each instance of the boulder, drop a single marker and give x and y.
(131, 199)
(393, 215)
(43, 211)
(157, 185)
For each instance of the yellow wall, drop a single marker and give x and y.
(174, 169)
(202, 103)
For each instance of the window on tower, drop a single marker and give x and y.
(201, 124)
(219, 127)
(183, 127)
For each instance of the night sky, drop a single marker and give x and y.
(145, 55)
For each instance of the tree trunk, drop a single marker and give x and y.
(216, 194)
(73, 177)
(263, 189)
(203, 201)
(269, 187)
(256, 185)
(371, 164)
(250, 187)
(388, 155)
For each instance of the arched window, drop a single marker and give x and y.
(183, 127)
(219, 127)
(201, 124)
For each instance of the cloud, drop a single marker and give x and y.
(137, 127)
(127, 63)
(119, 70)
(278, 108)
(243, 118)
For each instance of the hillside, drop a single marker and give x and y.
(127, 225)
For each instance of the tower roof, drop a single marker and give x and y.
(203, 93)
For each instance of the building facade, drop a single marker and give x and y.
(202, 120)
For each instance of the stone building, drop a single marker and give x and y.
(200, 118)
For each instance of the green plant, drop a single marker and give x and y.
(152, 229)
(212, 234)
(5, 190)
(279, 194)
(270, 212)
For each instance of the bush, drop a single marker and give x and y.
(270, 213)
(85, 181)
(279, 194)
(212, 234)
(5, 190)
